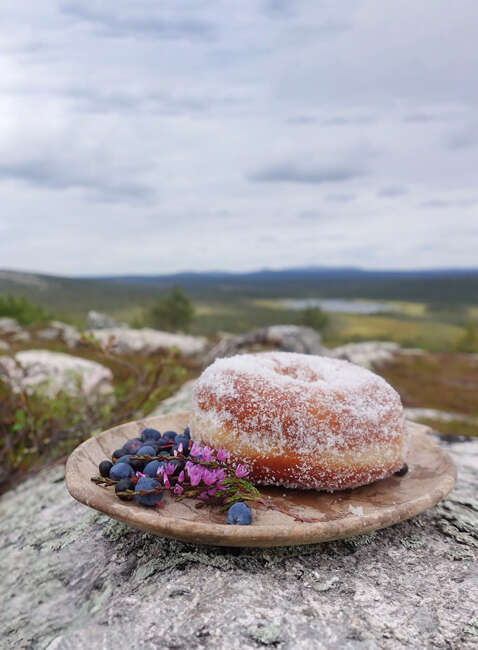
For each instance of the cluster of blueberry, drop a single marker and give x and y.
(147, 466)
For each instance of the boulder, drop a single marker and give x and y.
(13, 331)
(74, 579)
(62, 331)
(32, 370)
(96, 320)
(289, 338)
(148, 341)
(367, 354)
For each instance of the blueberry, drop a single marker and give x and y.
(138, 465)
(154, 444)
(105, 467)
(166, 445)
(151, 468)
(123, 485)
(117, 454)
(124, 459)
(121, 470)
(169, 435)
(147, 483)
(132, 446)
(239, 514)
(184, 440)
(146, 450)
(402, 471)
(150, 434)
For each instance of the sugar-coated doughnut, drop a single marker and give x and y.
(300, 421)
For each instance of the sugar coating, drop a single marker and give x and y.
(301, 420)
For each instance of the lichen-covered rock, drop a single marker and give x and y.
(73, 579)
(289, 338)
(368, 353)
(148, 341)
(51, 372)
(96, 320)
(10, 329)
(62, 331)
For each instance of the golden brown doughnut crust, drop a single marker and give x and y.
(300, 421)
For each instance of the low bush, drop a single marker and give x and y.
(22, 310)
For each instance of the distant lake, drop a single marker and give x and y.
(341, 305)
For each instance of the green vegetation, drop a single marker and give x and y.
(453, 427)
(173, 312)
(36, 429)
(447, 382)
(469, 341)
(22, 310)
(313, 317)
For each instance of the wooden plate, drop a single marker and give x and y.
(431, 475)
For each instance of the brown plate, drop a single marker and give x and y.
(431, 475)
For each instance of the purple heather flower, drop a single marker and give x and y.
(212, 491)
(207, 455)
(220, 474)
(180, 448)
(166, 481)
(139, 474)
(181, 476)
(222, 455)
(195, 450)
(195, 474)
(209, 476)
(178, 490)
(241, 471)
(170, 467)
(202, 495)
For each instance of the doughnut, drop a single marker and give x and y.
(300, 421)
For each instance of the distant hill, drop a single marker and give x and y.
(75, 296)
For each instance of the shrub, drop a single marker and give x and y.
(172, 312)
(22, 310)
(469, 341)
(313, 317)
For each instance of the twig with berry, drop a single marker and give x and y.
(147, 467)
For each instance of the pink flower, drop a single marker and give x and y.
(222, 455)
(212, 492)
(209, 476)
(170, 467)
(138, 474)
(207, 454)
(181, 476)
(180, 448)
(166, 481)
(160, 471)
(178, 490)
(220, 475)
(203, 495)
(195, 474)
(241, 471)
(195, 450)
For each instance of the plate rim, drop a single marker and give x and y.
(256, 535)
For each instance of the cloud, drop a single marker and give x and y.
(61, 175)
(448, 203)
(309, 214)
(463, 138)
(119, 22)
(300, 173)
(392, 191)
(341, 197)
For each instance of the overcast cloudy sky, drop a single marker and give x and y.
(152, 137)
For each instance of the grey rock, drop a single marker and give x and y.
(74, 579)
(62, 331)
(96, 320)
(34, 370)
(4, 347)
(147, 341)
(9, 326)
(288, 338)
(367, 353)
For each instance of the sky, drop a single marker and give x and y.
(154, 137)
